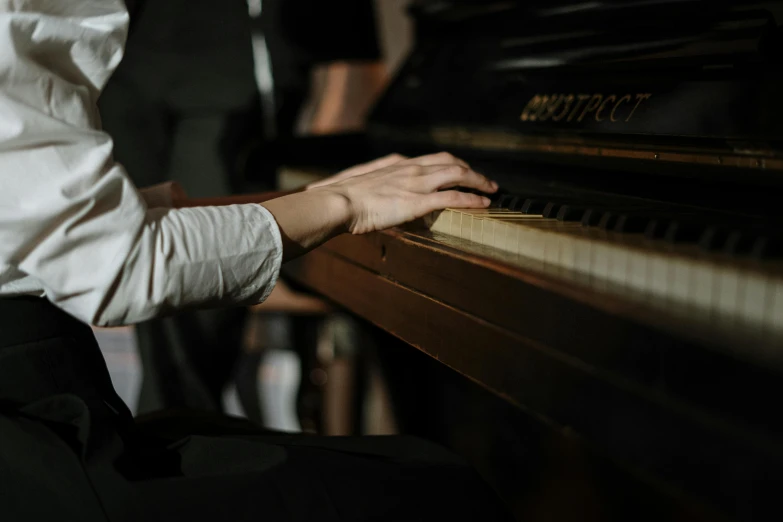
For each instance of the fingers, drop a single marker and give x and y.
(441, 158)
(452, 199)
(440, 177)
(385, 161)
(358, 170)
(380, 163)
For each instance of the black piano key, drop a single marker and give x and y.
(550, 210)
(504, 200)
(683, 232)
(592, 217)
(739, 243)
(713, 238)
(631, 224)
(496, 198)
(656, 229)
(608, 221)
(767, 248)
(533, 206)
(515, 203)
(570, 213)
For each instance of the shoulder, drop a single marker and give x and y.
(84, 38)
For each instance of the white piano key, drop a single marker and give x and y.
(477, 229)
(441, 222)
(680, 279)
(583, 256)
(618, 265)
(567, 252)
(637, 271)
(456, 223)
(552, 248)
(728, 296)
(755, 299)
(658, 276)
(488, 237)
(703, 280)
(509, 234)
(599, 265)
(499, 236)
(466, 225)
(514, 239)
(525, 242)
(538, 244)
(774, 314)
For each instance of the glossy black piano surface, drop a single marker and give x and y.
(682, 82)
(659, 121)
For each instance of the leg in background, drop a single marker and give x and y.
(304, 339)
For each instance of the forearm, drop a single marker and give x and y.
(305, 219)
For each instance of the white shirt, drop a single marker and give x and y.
(73, 227)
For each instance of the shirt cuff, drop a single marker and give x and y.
(277, 252)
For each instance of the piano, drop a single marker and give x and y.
(623, 296)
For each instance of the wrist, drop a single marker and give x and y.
(338, 207)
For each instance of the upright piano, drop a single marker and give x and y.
(625, 290)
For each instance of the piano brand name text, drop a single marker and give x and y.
(577, 107)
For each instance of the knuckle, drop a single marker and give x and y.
(414, 170)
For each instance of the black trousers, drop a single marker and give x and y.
(70, 450)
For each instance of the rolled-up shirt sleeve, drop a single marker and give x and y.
(70, 218)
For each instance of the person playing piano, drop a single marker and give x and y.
(80, 244)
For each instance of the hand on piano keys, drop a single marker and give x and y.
(410, 189)
(383, 198)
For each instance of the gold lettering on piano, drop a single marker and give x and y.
(557, 107)
(539, 115)
(568, 100)
(592, 105)
(639, 99)
(612, 98)
(541, 107)
(626, 99)
(531, 108)
(553, 104)
(580, 99)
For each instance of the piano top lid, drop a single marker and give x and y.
(541, 34)
(663, 81)
(456, 10)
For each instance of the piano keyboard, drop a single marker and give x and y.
(749, 292)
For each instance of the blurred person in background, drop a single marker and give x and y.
(183, 106)
(324, 68)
